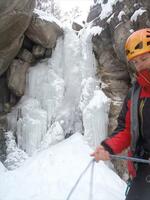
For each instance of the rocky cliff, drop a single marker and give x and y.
(117, 20)
(26, 36)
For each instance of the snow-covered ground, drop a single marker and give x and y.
(51, 174)
(62, 98)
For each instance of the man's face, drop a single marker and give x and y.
(141, 62)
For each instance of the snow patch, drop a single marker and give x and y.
(137, 13)
(47, 17)
(15, 156)
(54, 135)
(51, 174)
(96, 30)
(107, 8)
(111, 17)
(2, 169)
(121, 13)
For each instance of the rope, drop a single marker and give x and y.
(91, 181)
(140, 160)
(81, 175)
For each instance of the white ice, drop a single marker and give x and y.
(51, 174)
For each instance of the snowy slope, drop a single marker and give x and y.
(50, 175)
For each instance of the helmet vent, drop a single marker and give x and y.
(139, 45)
(148, 43)
(127, 52)
(147, 36)
(148, 31)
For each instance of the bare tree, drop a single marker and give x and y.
(71, 15)
(43, 4)
(49, 6)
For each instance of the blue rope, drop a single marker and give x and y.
(81, 175)
(140, 160)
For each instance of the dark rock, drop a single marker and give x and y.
(4, 93)
(43, 32)
(17, 77)
(15, 17)
(27, 44)
(94, 12)
(38, 51)
(48, 53)
(3, 129)
(25, 56)
(76, 26)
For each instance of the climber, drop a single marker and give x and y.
(133, 130)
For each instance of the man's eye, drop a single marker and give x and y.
(134, 62)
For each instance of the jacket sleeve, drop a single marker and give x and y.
(121, 137)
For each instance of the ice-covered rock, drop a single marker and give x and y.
(15, 156)
(95, 118)
(2, 168)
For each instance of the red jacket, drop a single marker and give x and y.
(121, 137)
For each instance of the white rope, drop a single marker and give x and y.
(81, 175)
(91, 181)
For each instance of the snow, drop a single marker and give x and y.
(51, 174)
(111, 17)
(54, 135)
(47, 16)
(107, 8)
(15, 156)
(138, 12)
(121, 13)
(79, 20)
(2, 168)
(96, 30)
(88, 86)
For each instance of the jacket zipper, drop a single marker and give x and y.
(141, 114)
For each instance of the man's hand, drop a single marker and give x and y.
(100, 154)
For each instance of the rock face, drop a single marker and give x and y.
(3, 128)
(25, 38)
(42, 31)
(15, 18)
(4, 93)
(76, 26)
(17, 77)
(118, 19)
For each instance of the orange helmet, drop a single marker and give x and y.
(138, 43)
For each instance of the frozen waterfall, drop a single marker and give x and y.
(62, 97)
